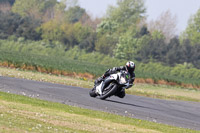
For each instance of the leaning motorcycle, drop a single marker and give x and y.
(112, 85)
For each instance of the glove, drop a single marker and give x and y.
(129, 86)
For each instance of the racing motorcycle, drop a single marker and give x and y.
(112, 85)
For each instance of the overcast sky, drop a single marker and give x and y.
(183, 9)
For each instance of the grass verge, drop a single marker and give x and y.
(148, 90)
(23, 114)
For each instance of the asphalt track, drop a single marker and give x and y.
(176, 113)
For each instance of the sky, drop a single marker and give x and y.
(182, 9)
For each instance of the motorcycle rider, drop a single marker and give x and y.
(129, 67)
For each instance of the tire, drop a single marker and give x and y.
(121, 94)
(110, 91)
(92, 93)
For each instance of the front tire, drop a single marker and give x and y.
(92, 93)
(109, 91)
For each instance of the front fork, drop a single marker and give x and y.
(99, 89)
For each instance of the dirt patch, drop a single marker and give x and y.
(40, 69)
(56, 72)
(163, 82)
(4, 64)
(190, 86)
(86, 75)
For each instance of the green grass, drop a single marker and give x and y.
(23, 114)
(50, 63)
(165, 92)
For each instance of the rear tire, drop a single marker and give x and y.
(121, 94)
(111, 91)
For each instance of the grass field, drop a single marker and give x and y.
(149, 90)
(20, 114)
(91, 67)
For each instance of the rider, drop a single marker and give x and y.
(129, 67)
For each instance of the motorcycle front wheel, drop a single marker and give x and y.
(92, 93)
(109, 91)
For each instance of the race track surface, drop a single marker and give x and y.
(176, 113)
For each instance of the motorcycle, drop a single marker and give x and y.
(112, 85)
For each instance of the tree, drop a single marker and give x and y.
(51, 31)
(14, 24)
(9, 24)
(59, 11)
(89, 43)
(155, 49)
(165, 24)
(5, 5)
(115, 32)
(67, 33)
(131, 43)
(33, 8)
(192, 31)
(173, 52)
(107, 37)
(127, 12)
(86, 20)
(74, 14)
(107, 27)
(81, 32)
(27, 29)
(157, 35)
(187, 52)
(74, 33)
(11, 2)
(105, 44)
(195, 57)
(70, 3)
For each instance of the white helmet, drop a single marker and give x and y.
(130, 66)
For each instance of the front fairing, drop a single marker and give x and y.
(109, 79)
(105, 83)
(124, 78)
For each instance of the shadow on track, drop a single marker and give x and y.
(134, 105)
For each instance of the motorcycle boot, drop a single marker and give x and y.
(99, 80)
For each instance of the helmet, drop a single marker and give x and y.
(130, 66)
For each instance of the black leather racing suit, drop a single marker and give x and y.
(112, 71)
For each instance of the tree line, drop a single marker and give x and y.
(122, 33)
